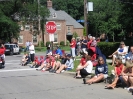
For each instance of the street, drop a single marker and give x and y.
(22, 82)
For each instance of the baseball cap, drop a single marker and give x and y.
(68, 55)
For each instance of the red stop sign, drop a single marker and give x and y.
(50, 27)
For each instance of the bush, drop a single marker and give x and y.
(67, 43)
(47, 43)
(62, 43)
(108, 48)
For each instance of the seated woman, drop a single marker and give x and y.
(118, 70)
(67, 66)
(127, 74)
(58, 64)
(101, 72)
(26, 60)
(119, 53)
(86, 69)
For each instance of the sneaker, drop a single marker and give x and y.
(51, 70)
(130, 90)
(62, 71)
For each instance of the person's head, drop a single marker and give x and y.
(129, 64)
(48, 48)
(2, 45)
(90, 37)
(26, 54)
(118, 62)
(88, 57)
(131, 49)
(101, 60)
(122, 44)
(68, 56)
(57, 47)
(93, 38)
(31, 44)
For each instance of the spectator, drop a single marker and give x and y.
(27, 44)
(101, 72)
(84, 44)
(78, 47)
(58, 64)
(82, 62)
(32, 51)
(86, 69)
(67, 66)
(130, 54)
(73, 45)
(58, 52)
(118, 69)
(26, 60)
(127, 74)
(119, 53)
(48, 50)
(94, 42)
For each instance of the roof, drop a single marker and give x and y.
(62, 15)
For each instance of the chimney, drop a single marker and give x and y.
(49, 4)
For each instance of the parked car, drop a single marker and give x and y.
(12, 49)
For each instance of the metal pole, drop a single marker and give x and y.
(39, 23)
(85, 17)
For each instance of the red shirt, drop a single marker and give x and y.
(2, 50)
(82, 61)
(119, 69)
(89, 44)
(73, 44)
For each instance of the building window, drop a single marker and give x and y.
(27, 27)
(58, 26)
(34, 38)
(54, 15)
(69, 29)
(20, 40)
(21, 27)
(55, 38)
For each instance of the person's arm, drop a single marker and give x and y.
(96, 70)
(70, 63)
(86, 64)
(131, 74)
(106, 69)
(124, 70)
(115, 71)
(124, 51)
(84, 42)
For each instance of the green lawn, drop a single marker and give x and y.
(76, 63)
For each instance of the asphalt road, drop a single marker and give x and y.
(22, 82)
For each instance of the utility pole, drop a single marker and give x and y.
(85, 17)
(39, 23)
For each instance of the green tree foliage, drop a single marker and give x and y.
(73, 7)
(105, 17)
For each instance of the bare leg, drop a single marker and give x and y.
(114, 83)
(131, 81)
(113, 60)
(125, 78)
(91, 80)
(57, 65)
(99, 78)
(61, 68)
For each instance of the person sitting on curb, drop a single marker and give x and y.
(101, 72)
(26, 60)
(85, 70)
(69, 65)
(58, 63)
(127, 75)
(58, 53)
(82, 62)
(118, 69)
(120, 52)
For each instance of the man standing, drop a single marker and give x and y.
(73, 45)
(84, 44)
(27, 45)
(32, 52)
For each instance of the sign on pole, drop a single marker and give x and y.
(90, 6)
(51, 27)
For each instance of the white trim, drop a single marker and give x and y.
(58, 26)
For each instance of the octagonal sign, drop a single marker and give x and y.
(51, 27)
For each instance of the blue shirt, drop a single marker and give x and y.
(101, 69)
(84, 45)
(59, 51)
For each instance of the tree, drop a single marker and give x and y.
(104, 18)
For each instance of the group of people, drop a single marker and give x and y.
(57, 62)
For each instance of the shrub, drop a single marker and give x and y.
(67, 43)
(108, 48)
(62, 43)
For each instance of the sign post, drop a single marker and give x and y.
(51, 29)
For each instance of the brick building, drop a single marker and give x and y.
(66, 26)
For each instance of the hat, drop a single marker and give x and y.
(68, 55)
(129, 63)
(50, 53)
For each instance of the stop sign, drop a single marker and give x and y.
(50, 27)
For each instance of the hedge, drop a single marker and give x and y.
(108, 48)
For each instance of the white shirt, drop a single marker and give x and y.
(69, 64)
(89, 67)
(27, 43)
(32, 49)
(125, 49)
